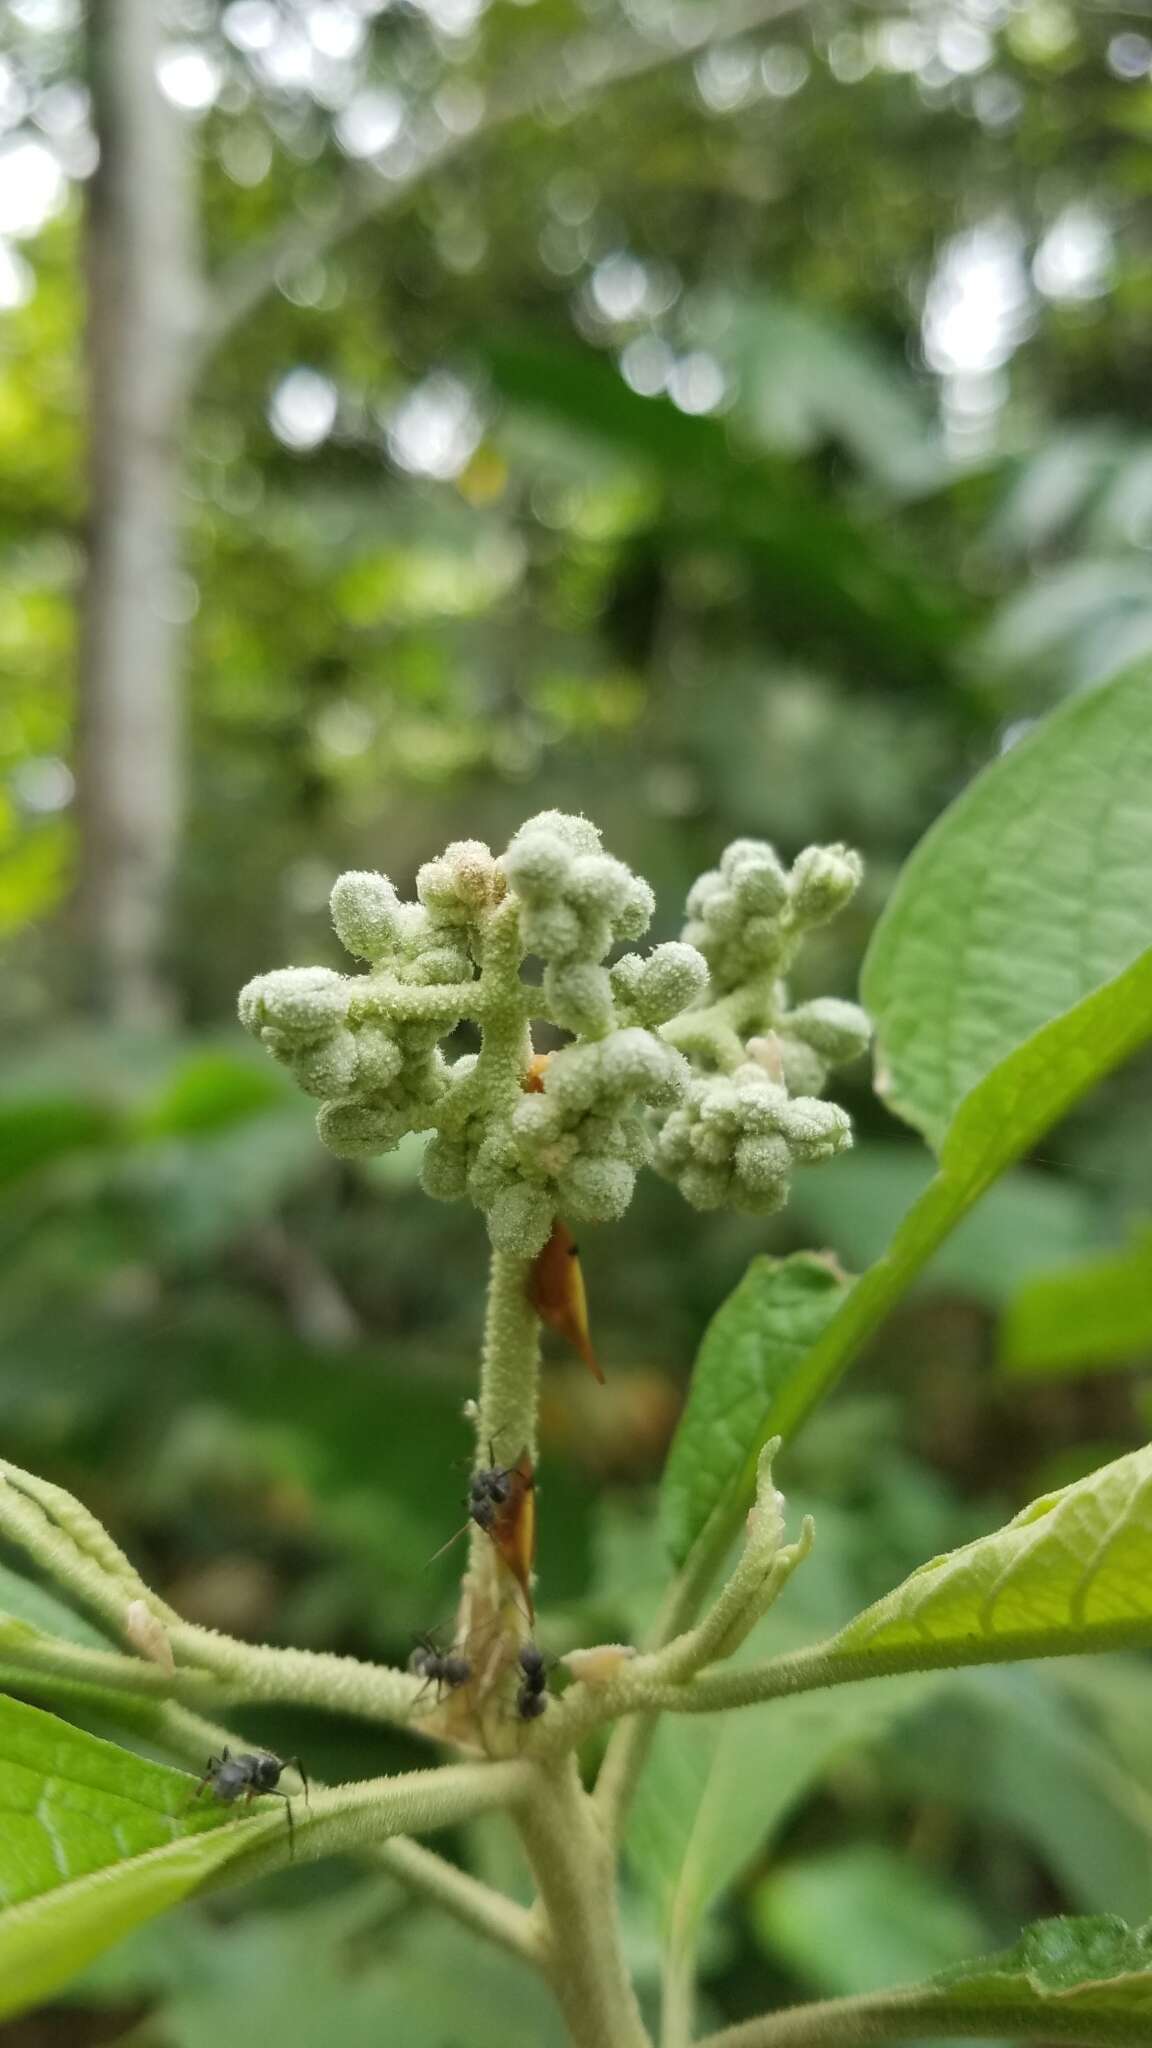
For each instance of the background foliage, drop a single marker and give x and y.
(755, 446)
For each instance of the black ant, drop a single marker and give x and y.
(532, 1698)
(250, 1775)
(489, 1490)
(443, 1669)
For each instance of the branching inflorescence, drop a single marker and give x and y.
(688, 1058)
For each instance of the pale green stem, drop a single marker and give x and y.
(257, 1672)
(924, 2016)
(573, 1862)
(510, 1369)
(478, 1906)
(353, 1820)
(678, 2002)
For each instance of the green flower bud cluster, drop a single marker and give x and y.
(748, 916)
(576, 902)
(735, 1140)
(525, 1140)
(367, 1045)
(752, 1112)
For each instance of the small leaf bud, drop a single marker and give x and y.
(462, 883)
(805, 1073)
(302, 1004)
(838, 1031)
(444, 1168)
(326, 1069)
(673, 977)
(705, 1187)
(757, 876)
(824, 879)
(577, 833)
(379, 1059)
(520, 1221)
(764, 1163)
(580, 998)
(364, 913)
(596, 1189)
(360, 1130)
(814, 1129)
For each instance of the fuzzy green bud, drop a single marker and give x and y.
(580, 998)
(365, 914)
(823, 880)
(298, 1004)
(360, 1130)
(837, 1030)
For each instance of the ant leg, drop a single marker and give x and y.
(286, 1797)
(209, 1773)
(296, 1765)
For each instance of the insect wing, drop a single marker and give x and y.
(513, 1529)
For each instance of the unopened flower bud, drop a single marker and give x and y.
(302, 1004)
(824, 879)
(365, 914)
(838, 1031)
(358, 1130)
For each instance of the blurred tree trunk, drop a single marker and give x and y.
(141, 309)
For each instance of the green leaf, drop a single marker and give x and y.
(23, 1604)
(808, 556)
(752, 1346)
(1087, 1981)
(1084, 1318)
(94, 1841)
(417, 1981)
(1071, 1572)
(212, 1092)
(995, 1745)
(1001, 1119)
(863, 1918)
(1027, 1224)
(1089, 1971)
(717, 1790)
(1030, 892)
(35, 1134)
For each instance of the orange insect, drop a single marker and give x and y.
(556, 1292)
(502, 1502)
(504, 1506)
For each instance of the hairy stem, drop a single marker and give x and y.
(921, 2016)
(509, 1376)
(573, 1863)
(487, 1912)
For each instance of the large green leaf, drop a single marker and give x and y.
(1087, 1981)
(751, 1348)
(994, 1745)
(1026, 1225)
(1067, 1973)
(93, 1841)
(1001, 1119)
(1091, 1315)
(1071, 1572)
(1030, 892)
(862, 1917)
(716, 1790)
(25, 1604)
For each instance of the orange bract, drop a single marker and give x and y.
(556, 1292)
